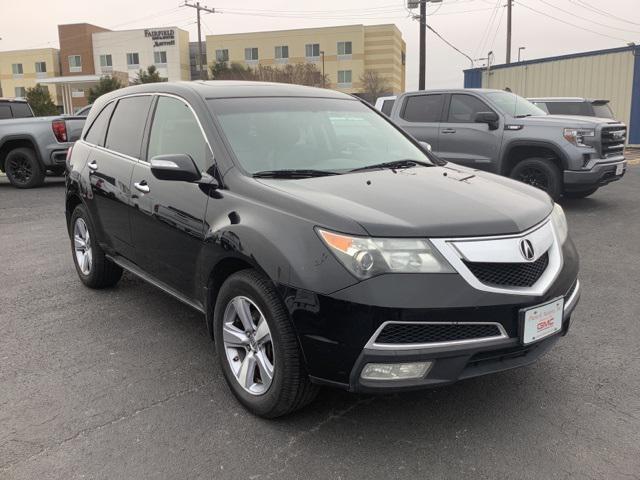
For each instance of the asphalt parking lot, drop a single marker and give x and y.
(124, 383)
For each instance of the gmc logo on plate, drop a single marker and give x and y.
(544, 324)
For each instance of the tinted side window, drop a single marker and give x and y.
(463, 108)
(387, 105)
(98, 128)
(5, 112)
(127, 125)
(21, 110)
(570, 108)
(176, 130)
(423, 108)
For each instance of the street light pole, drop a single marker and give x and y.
(519, 51)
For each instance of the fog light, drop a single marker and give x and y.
(395, 371)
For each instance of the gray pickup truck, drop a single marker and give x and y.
(506, 134)
(32, 146)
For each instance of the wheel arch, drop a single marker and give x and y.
(521, 150)
(11, 142)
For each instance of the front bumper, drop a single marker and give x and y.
(598, 175)
(335, 332)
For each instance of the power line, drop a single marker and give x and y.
(583, 4)
(485, 35)
(571, 24)
(450, 44)
(573, 14)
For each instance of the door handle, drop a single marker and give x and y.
(142, 186)
(448, 130)
(92, 165)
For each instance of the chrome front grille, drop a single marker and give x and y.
(612, 141)
(509, 274)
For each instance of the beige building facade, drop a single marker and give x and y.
(23, 69)
(343, 52)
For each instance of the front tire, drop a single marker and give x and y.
(258, 348)
(93, 267)
(581, 193)
(23, 168)
(540, 173)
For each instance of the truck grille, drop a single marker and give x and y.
(509, 274)
(613, 140)
(407, 333)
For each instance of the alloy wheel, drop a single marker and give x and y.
(534, 177)
(248, 345)
(20, 169)
(82, 246)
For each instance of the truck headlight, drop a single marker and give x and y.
(577, 136)
(366, 257)
(560, 223)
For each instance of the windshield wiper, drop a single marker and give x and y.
(523, 115)
(395, 164)
(293, 173)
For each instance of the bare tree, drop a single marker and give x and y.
(374, 86)
(299, 73)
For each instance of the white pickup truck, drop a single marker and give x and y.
(32, 146)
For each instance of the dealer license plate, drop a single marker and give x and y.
(619, 169)
(542, 320)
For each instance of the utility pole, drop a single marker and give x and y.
(198, 9)
(509, 8)
(423, 43)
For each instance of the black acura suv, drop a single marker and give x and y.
(323, 245)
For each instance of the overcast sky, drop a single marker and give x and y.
(474, 26)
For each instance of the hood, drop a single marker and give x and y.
(449, 201)
(568, 121)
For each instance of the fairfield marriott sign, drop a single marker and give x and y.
(161, 38)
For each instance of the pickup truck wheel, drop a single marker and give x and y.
(540, 173)
(258, 348)
(23, 169)
(94, 268)
(581, 193)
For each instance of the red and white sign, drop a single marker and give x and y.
(542, 321)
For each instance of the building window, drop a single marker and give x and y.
(251, 55)
(106, 62)
(20, 92)
(160, 57)
(344, 78)
(16, 68)
(404, 58)
(222, 55)
(312, 51)
(75, 63)
(344, 49)
(282, 54)
(133, 60)
(41, 67)
(77, 92)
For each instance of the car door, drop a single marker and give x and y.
(116, 136)
(462, 140)
(167, 220)
(420, 116)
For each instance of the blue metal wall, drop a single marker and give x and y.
(473, 78)
(634, 119)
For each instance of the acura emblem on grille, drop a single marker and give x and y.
(526, 249)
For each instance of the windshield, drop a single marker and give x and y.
(514, 105)
(602, 110)
(319, 134)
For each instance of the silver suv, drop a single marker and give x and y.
(506, 134)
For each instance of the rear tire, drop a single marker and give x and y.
(23, 168)
(94, 268)
(581, 193)
(540, 173)
(284, 386)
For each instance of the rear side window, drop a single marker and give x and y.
(387, 105)
(5, 112)
(570, 108)
(21, 110)
(176, 130)
(463, 108)
(423, 108)
(98, 128)
(127, 125)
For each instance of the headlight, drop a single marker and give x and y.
(577, 135)
(366, 257)
(559, 223)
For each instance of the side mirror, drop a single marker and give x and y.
(490, 118)
(426, 146)
(175, 166)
